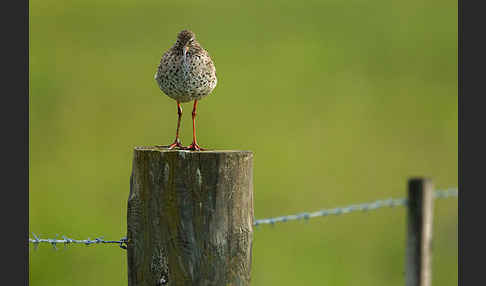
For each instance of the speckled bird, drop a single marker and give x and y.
(186, 73)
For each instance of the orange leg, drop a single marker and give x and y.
(177, 141)
(194, 146)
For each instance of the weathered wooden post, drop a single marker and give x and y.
(190, 217)
(419, 232)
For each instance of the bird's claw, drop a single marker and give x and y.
(194, 147)
(177, 143)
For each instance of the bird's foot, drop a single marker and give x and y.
(194, 147)
(176, 144)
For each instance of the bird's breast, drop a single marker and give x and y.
(187, 77)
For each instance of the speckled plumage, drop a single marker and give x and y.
(189, 76)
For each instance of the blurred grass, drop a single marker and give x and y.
(341, 102)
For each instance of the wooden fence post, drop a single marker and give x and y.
(190, 217)
(419, 232)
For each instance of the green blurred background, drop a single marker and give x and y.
(340, 101)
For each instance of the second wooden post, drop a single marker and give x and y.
(419, 232)
(190, 218)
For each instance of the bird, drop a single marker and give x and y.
(186, 73)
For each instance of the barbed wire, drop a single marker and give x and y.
(364, 207)
(451, 192)
(66, 241)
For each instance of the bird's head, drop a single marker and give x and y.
(186, 40)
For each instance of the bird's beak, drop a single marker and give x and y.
(185, 49)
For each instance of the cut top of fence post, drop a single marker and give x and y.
(208, 151)
(419, 232)
(190, 217)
